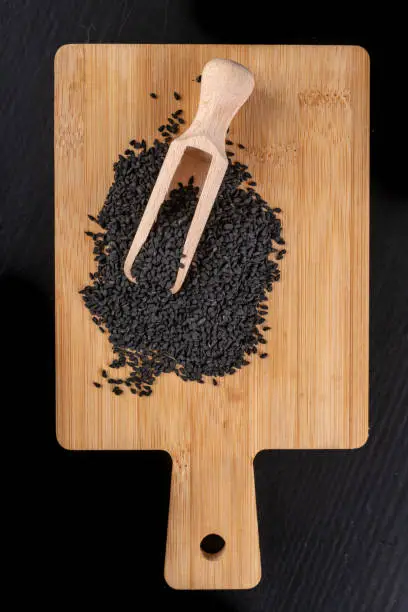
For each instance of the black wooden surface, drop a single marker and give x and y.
(333, 525)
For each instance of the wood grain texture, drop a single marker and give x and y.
(306, 128)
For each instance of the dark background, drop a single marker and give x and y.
(332, 524)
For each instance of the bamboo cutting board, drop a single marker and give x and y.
(306, 129)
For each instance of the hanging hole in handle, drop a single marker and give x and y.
(212, 546)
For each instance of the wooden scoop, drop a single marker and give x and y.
(225, 86)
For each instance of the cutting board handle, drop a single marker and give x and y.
(212, 495)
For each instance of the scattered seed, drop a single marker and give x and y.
(154, 96)
(263, 355)
(240, 146)
(198, 78)
(97, 385)
(229, 142)
(230, 153)
(104, 374)
(177, 95)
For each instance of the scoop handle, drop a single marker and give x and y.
(225, 86)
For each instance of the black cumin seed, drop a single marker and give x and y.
(97, 385)
(101, 329)
(117, 391)
(181, 120)
(161, 128)
(154, 96)
(198, 78)
(214, 382)
(240, 146)
(252, 183)
(133, 390)
(104, 373)
(177, 95)
(263, 355)
(92, 218)
(266, 328)
(229, 142)
(212, 323)
(230, 153)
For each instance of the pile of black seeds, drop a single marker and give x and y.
(211, 326)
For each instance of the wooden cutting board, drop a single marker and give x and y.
(306, 129)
